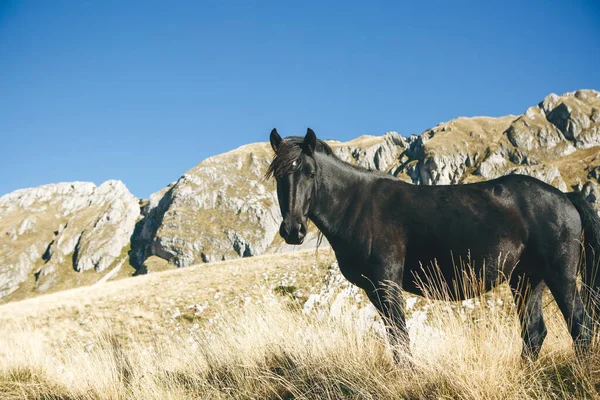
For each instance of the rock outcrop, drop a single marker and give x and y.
(220, 209)
(55, 230)
(554, 141)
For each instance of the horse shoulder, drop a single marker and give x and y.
(388, 230)
(377, 239)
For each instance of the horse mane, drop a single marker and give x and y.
(289, 151)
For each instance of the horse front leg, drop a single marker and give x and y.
(387, 298)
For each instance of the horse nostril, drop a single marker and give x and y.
(301, 231)
(284, 231)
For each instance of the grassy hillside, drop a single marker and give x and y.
(165, 302)
(237, 329)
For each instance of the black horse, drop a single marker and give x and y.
(384, 230)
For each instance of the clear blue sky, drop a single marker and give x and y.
(142, 91)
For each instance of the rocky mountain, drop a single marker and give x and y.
(554, 141)
(54, 231)
(223, 208)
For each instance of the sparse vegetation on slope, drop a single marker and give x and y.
(258, 340)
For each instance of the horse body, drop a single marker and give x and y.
(383, 230)
(492, 224)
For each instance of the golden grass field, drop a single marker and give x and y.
(236, 330)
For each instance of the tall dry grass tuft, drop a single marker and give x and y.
(468, 350)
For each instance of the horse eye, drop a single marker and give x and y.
(312, 175)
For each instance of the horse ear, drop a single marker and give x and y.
(310, 141)
(275, 139)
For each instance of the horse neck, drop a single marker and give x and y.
(336, 189)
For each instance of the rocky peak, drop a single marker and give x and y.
(372, 152)
(471, 149)
(62, 228)
(220, 209)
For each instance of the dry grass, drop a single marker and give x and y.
(575, 167)
(146, 304)
(272, 350)
(463, 133)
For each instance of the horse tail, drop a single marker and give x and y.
(590, 223)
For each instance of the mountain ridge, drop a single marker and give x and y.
(55, 235)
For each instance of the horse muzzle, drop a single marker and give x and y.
(292, 233)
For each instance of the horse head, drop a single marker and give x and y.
(294, 169)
